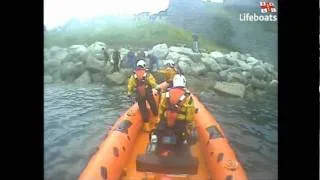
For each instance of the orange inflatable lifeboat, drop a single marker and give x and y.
(117, 157)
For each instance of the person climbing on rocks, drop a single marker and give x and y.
(106, 55)
(116, 59)
(131, 57)
(195, 38)
(142, 82)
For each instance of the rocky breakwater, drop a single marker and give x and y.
(232, 73)
(82, 65)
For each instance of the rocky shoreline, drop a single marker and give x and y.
(233, 73)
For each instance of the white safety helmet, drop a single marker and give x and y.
(170, 63)
(179, 81)
(141, 63)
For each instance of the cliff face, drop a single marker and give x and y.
(220, 23)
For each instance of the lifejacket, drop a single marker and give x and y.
(175, 97)
(140, 75)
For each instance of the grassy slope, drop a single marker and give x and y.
(122, 35)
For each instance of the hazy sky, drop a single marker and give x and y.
(57, 12)
(216, 1)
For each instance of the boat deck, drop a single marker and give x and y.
(140, 148)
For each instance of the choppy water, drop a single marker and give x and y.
(77, 118)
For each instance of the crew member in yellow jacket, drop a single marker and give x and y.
(177, 109)
(142, 82)
(169, 72)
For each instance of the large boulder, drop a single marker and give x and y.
(56, 77)
(269, 77)
(219, 57)
(221, 61)
(223, 66)
(116, 78)
(258, 72)
(61, 55)
(243, 57)
(258, 63)
(234, 89)
(47, 79)
(251, 60)
(196, 57)
(236, 77)
(77, 53)
(70, 71)
(212, 75)
(83, 79)
(260, 92)
(268, 67)
(244, 66)
(273, 86)
(178, 57)
(223, 75)
(205, 55)
(160, 50)
(246, 74)
(182, 50)
(53, 50)
(211, 64)
(234, 69)
(216, 55)
(80, 66)
(96, 51)
(248, 55)
(230, 77)
(199, 69)
(51, 66)
(250, 93)
(235, 55)
(174, 56)
(108, 68)
(257, 83)
(97, 77)
(55, 53)
(185, 59)
(94, 65)
(233, 74)
(127, 72)
(185, 67)
(231, 60)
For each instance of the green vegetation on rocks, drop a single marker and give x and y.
(131, 35)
